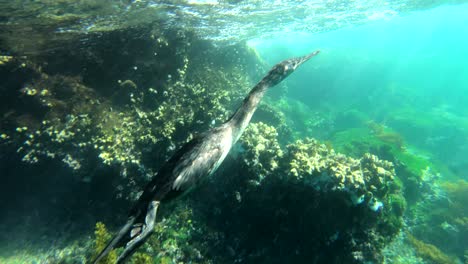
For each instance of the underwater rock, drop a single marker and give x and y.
(319, 166)
(125, 94)
(69, 106)
(345, 210)
(440, 216)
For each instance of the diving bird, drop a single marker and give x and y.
(198, 158)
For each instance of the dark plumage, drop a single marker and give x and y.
(196, 159)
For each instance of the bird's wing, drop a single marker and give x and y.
(203, 159)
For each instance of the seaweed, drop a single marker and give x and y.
(101, 238)
(387, 135)
(429, 252)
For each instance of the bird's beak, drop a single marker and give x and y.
(305, 58)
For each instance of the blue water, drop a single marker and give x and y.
(412, 66)
(424, 54)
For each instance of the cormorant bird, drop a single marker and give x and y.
(198, 158)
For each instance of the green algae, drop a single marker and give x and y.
(410, 160)
(141, 258)
(457, 192)
(429, 252)
(357, 141)
(102, 237)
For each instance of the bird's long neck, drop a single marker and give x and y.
(241, 118)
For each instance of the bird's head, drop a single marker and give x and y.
(283, 69)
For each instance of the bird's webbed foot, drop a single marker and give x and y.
(140, 232)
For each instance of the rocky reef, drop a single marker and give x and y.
(308, 184)
(119, 123)
(83, 129)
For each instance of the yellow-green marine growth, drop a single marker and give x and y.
(101, 237)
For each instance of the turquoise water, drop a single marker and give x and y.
(415, 62)
(424, 54)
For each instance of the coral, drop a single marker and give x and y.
(307, 156)
(102, 237)
(345, 206)
(383, 142)
(429, 252)
(262, 150)
(415, 168)
(317, 164)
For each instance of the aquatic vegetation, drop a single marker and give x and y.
(102, 236)
(429, 252)
(439, 216)
(357, 141)
(386, 135)
(392, 220)
(178, 237)
(437, 130)
(399, 252)
(457, 192)
(5, 59)
(415, 168)
(398, 203)
(141, 258)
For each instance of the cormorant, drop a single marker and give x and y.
(198, 158)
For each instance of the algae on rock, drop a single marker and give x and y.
(262, 152)
(102, 237)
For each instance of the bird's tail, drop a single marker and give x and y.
(136, 233)
(141, 232)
